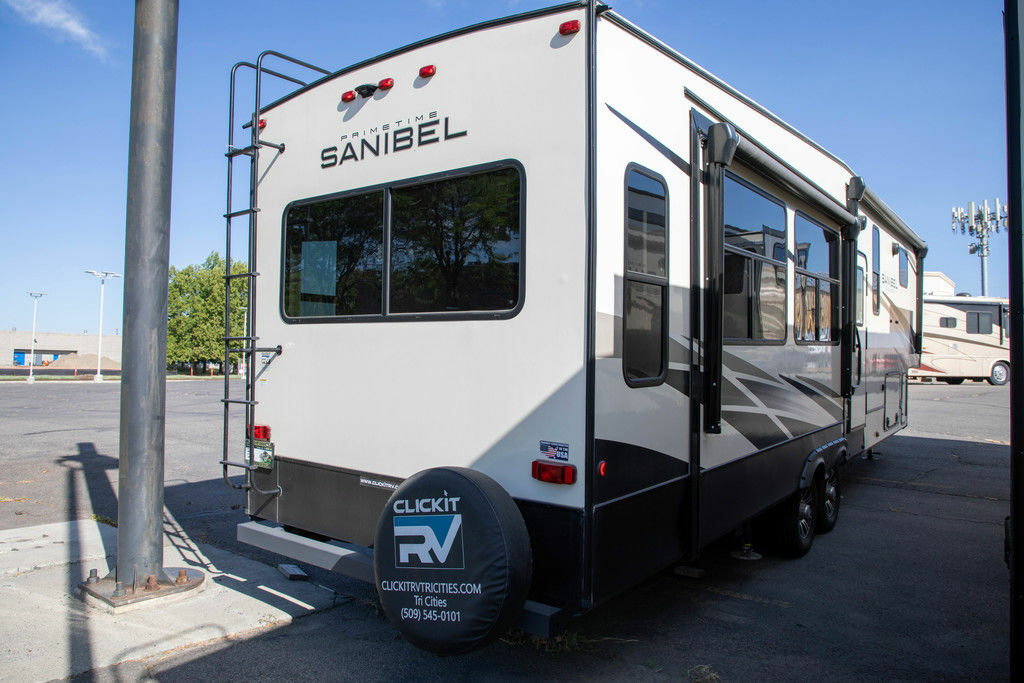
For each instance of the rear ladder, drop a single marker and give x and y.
(245, 346)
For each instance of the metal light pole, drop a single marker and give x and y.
(32, 345)
(139, 572)
(980, 222)
(102, 275)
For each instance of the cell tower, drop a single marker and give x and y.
(978, 221)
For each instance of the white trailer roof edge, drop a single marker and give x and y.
(490, 23)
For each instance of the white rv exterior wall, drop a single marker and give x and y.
(397, 397)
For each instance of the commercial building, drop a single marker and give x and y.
(16, 347)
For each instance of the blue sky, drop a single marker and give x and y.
(909, 94)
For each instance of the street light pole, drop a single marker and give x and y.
(32, 345)
(102, 275)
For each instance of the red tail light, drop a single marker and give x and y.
(261, 432)
(569, 27)
(262, 124)
(427, 71)
(348, 95)
(386, 84)
(554, 473)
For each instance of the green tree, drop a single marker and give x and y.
(195, 310)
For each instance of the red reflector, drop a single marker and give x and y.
(554, 473)
(348, 96)
(386, 84)
(569, 27)
(261, 432)
(602, 468)
(262, 124)
(427, 71)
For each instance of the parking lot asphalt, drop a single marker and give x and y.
(911, 584)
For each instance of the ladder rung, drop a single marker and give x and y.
(238, 151)
(243, 465)
(239, 400)
(247, 338)
(236, 214)
(278, 146)
(232, 276)
(242, 349)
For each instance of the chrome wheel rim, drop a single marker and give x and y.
(831, 496)
(999, 373)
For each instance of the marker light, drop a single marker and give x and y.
(427, 71)
(569, 27)
(602, 468)
(554, 473)
(261, 432)
(348, 96)
(386, 84)
(262, 124)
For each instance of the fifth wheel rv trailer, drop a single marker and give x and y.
(540, 307)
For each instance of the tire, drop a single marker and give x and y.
(796, 521)
(953, 380)
(828, 502)
(452, 560)
(1000, 374)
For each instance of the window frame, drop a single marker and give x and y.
(749, 341)
(876, 270)
(834, 266)
(644, 278)
(904, 267)
(384, 188)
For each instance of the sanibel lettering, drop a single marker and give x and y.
(419, 130)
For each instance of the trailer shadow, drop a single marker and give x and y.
(910, 584)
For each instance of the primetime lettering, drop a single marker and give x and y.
(390, 138)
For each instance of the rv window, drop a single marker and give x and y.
(645, 286)
(455, 244)
(816, 302)
(947, 322)
(754, 266)
(979, 323)
(859, 304)
(904, 269)
(875, 271)
(454, 248)
(333, 257)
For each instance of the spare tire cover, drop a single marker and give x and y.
(452, 560)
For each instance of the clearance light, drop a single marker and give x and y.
(261, 432)
(602, 468)
(348, 96)
(427, 71)
(386, 84)
(262, 124)
(554, 473)
(569, 27)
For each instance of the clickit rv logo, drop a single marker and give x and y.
(428, 541)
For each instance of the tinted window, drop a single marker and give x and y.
(642, 333)
(754, 273)
(455, 244)
(753, 222)
(333, 263)
(816, 247)
(859, 306)
(979, 323)
(645, 286)
(904, 268)
(947, 322)
(645, 225)
(875, 271)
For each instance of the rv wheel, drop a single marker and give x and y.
(452, 560)
(1000, 374)
(795, 524)
(828, 508)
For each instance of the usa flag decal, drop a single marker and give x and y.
(554, 450)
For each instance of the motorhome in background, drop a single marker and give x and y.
(588, 309)
(965, 337)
